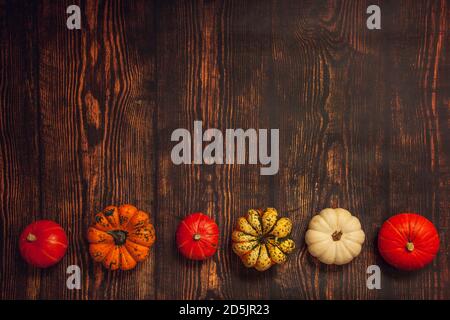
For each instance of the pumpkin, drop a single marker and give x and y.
(197, 237)
(262, 239)
(334, 236)
(408, 241)
(120, 237)
(43, 243)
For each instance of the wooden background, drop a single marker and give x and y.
(86, 118)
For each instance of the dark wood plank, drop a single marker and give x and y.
(187, 82)
(245, 87)
(440, 106)
(416, 144)
(97, 105)
(332, 119)
(218, 78)
(19, 150)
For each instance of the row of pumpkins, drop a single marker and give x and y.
(120, 237)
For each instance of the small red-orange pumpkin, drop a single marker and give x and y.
(43, 243)
(408, 241)
(197, 237)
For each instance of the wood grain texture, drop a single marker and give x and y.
(86, 118)
(19, 146)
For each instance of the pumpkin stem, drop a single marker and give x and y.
(336, 235)
(120, 236)
(31, 237)
(197, 237)
(410, 246)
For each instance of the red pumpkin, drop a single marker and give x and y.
(43, 243)
(197, 236)
(408, 241)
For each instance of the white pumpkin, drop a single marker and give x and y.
(334, 236)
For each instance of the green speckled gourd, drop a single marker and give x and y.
(262, 239)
